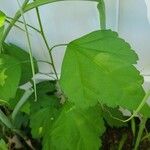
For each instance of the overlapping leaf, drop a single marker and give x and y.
(99, 67)
(24, 59)
(67, 125)
(43, 114)
(75, 129)
(10, 72)
(44, 110)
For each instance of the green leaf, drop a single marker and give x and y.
(44, 110)
(21, 120)
(2, 21)
(10, 73)
(2, 18)
(1, 35)
(49, 121)
(24, 59)
(3, 77)
(3, 145)
(75, 129)
(43, 113)
(98, 67)
(145, 111)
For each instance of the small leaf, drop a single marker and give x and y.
(98, 67)
(10, 73)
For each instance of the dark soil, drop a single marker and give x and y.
(113, 136)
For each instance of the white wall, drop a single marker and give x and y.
(65, 21)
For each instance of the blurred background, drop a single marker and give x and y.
(68, 20)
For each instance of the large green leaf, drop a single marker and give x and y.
(10, 72)
(75, 129)
(24, 59)
(98, 67)
(72, 128)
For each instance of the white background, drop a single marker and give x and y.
(65, 21)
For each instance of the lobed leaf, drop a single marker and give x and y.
(99, 67)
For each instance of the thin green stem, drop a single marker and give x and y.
(23, 23)
(21, 102)
(5, 120)
(136, 111)
(12, 23)
(123, 139)
(47, 74)
(102, 14)
(30, 49)
(133, 126)
(139, 136)
(57, 46)
(27, 8)
(15, 25)
(45, 40)
(146, 137)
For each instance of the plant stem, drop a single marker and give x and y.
(22, 23)
(24, 137)
(27, 8)
(139, 136)
(147, 136)
(123, 139)
(44, 2)
(102, 14)
(30, 49)
(15, 25)
(12, 23)
(46, 43)
(57, 46)
(5, 120)
(133, 126)
(136, 111)
(21, 102)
